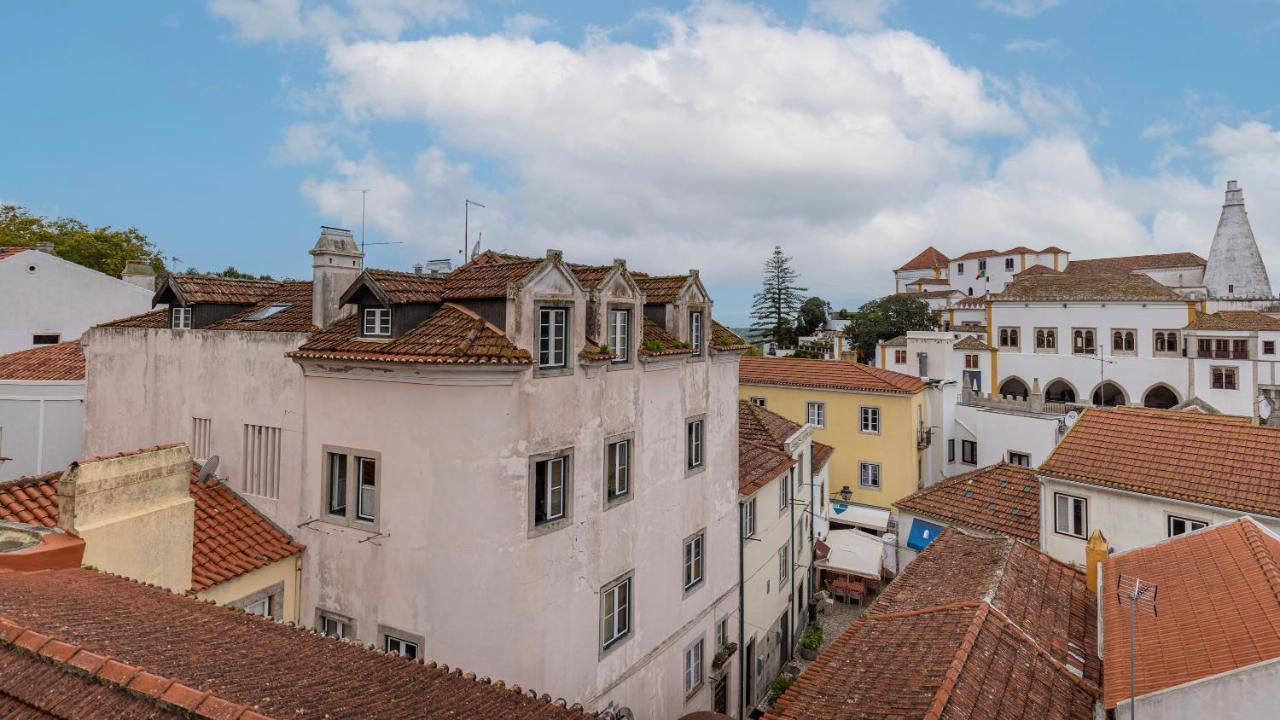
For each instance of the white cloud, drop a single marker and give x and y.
(862, 14)
(1160, 129)
(295, 20)
(1020, 8)
(524, 25)
(1029, 45)
(734, 133)
(304, 143)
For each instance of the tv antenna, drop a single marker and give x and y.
(466, 228)
(1131, 591)
(364, 194)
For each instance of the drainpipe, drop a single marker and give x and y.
(791, 543)
(742, 619)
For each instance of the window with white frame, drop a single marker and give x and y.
(969, 452)
(1182, 525)
(620, 335)
(749, 518)
(1083, 341)
(1046, 339)
(1019, 458)
(550, 488)
(180, 318)
(1123, 342)
(694, 444)
(817, 414)
(759, 401)
(693, 559)
(1165, 342)
(722, 633)
(262, 607)
(400, 646)
(869, 475)
(693, 667)
(1070, 515)
(784, 491)
(260, 462)
(617, 469)
(201, 438)
(351, 486)
(1009, 338)
(870, 420)
(334, 625)
(615, 612)
(784, 563)
(553, 333)
(1268, 347)
(377, 322)
(951, 449)
(695, 331)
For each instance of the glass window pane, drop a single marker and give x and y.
(337, 483)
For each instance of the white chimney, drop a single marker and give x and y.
(336, 263)
(140, 274)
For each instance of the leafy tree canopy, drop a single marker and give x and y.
(230, 272)
(774, 308)
(104, 249)
(812, 316)
(887, 318)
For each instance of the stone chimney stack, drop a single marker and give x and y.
(1235, 267)
(336, 263)
(140, 274)
(1095, 551)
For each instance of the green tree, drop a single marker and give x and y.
(779, 299)
(887, 318)
(104, 249)
(812, 316)
(230, 272)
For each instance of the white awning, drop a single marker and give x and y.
(872, 518)
(853, 551)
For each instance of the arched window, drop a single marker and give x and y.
(1117, 340)
(1159, 342)
(1052, 337)
(1013, 337)
(1128, 341)
(1171, 341)
(1040, 341)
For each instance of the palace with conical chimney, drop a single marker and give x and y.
(1235, 268)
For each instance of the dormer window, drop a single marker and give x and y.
(377, 322)
(620, 335)
(695, 331)
(180, 318)
(553, 327)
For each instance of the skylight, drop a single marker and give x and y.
(268, 311)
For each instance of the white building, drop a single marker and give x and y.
(41, 409)
(49, 300)
(1141, 476)
(781, 479)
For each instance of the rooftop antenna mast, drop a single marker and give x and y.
(466, 227)
(1131, 591)
(364, 195)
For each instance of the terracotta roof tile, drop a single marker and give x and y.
(899, 341)
(1053, 249)
(825, 374)
(60, 362)
(1132, 263)
(1246, 320)
(821, 454)
(294, 299)
(657, 342)
(488, 279)
(1020, 249)
(229, 540)
(407, 287)
(928, 259)
(970, 342)
(762, 444)
(1085, 287)
(661, 288)
(976, 254)
(10, 251)
(1036, 270)
(224, 652)
(1218, 608)
(194, 289)
(759, 465)
(452, 335)
(1000, 498)
(931, 294)
(1217, 460)
(930, 281)
(1046, 598)
(726, 340)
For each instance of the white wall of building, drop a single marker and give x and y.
(41, 426)
(47, 295)
(1250, 693)
(999, 432)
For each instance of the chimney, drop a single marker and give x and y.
(140, 274)
(1095, 552)
(135, 514)
(336, 263)
(1235, 267)
(1036, 398)
(45, 247)
(439, 267)
(417, 268)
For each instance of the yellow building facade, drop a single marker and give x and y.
(871, 416)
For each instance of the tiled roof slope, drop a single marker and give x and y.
(295, 318)
(757, 424)
(230, 537)
(1216, 460)
(1218, 603)
(407, 287)
(821, 454)
(1048, 600)
(158, 318)
(661, 288)
(212, 289)
(282, 671)
(60, 362)
(1246, 320)
(928, 259)
(45, 678)
(825, 374)
(657, 342)
(758, 465)
(1085, 287)
(759, 428)
(1132, 263)
(10, 251)
(1000, 498)
(961, 662)
(898, 341)
(725, 340)
(453, 335)
(489, 279)
(970, 342)
(1036, 270)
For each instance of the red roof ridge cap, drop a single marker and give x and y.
(1253, 533)
(1075, 676)
(472, 314)
(943, 694)
(127, 453)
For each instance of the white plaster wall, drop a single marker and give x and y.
(59, 297)
(1240, 401)
(1251, 693)
(1128, 520)
(144, 386)
(455, 563)
(1134, 373)
(1183, 277)
(41, 426)
(903, 278)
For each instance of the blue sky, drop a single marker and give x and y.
(853, 133)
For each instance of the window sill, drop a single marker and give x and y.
(541, 372)
(607, 649)
(691, 694)
(620, 365)
(611, 503)
(690, 472)
(547, 528)
(1069, 535)
(694, 588)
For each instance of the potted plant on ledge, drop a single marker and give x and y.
(811, 641)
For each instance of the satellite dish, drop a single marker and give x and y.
(210, 466)
(1072, 417)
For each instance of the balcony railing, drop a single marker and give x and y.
(924, 437)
